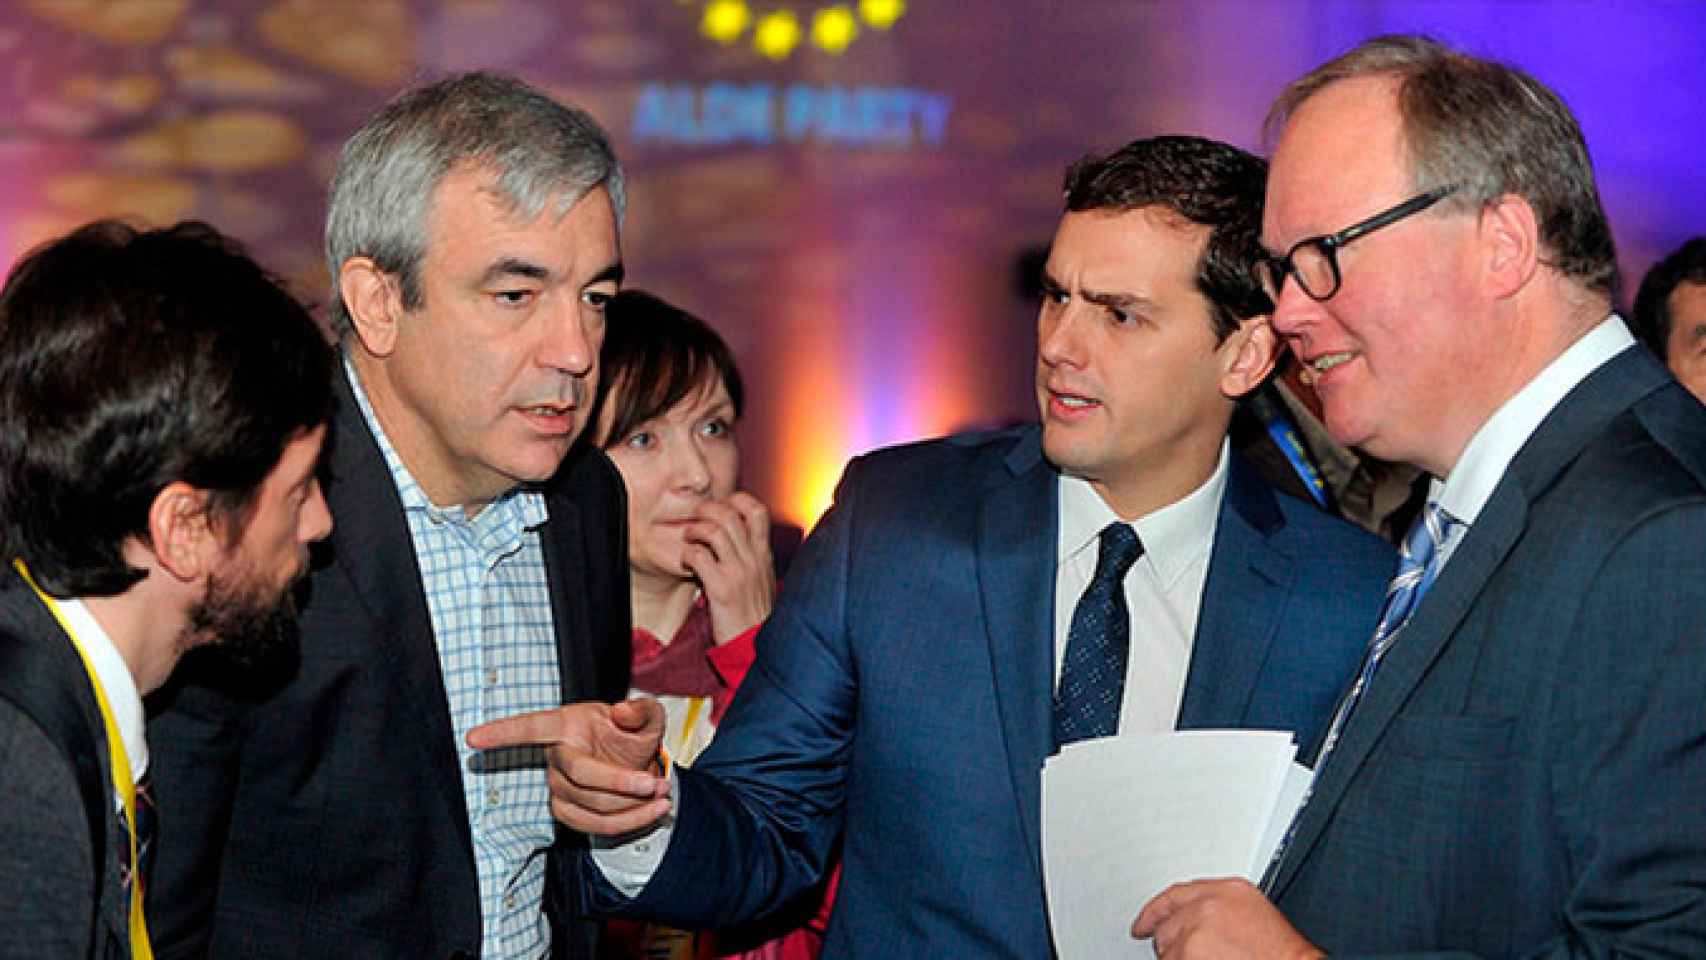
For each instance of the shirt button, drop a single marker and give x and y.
(509, 901)
(492, 677)
(492, 798)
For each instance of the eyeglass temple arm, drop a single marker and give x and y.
(1402, 210)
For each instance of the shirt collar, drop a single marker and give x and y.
(522, 508)
(116, 682)
(1470, 484)
(1174, 536)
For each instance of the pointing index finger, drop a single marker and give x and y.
(539, 728)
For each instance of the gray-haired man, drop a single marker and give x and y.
(477, 569)
(1518, 769)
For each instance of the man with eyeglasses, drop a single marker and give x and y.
(1519, 767)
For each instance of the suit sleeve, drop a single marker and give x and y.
(195, 745)
(760, 810)
(47, 883)
(1630, 762)
(598, 586)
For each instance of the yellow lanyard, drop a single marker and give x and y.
(695, 706)
(139, 945)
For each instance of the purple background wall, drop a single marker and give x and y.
(863, 264)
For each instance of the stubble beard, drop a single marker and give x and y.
(243, 621)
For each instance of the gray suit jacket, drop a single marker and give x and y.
(47, 883)
(1527, 773)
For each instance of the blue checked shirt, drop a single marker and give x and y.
(491, 620)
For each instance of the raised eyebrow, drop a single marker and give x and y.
(514, 267)
(1117, 301)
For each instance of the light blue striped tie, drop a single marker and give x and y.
(1418, 566)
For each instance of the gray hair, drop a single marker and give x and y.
(540, 151)
(1492, 130)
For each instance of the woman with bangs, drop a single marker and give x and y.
(702, 579)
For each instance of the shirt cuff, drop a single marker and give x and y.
(629, 861)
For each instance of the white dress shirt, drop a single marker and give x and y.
(1490, 451)
(116, 682)
(1163, 590)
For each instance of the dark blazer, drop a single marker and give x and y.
(47, 885)
(1526, 775)
(904, 686)
(325, 818)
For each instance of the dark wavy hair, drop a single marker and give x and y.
(1653, 320)
(654, 356)
(132, 359)
(1205, 182)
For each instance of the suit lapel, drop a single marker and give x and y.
(565, 576)
(370, 543)
(1412, 652)
(1243, 600)
(1016, 572)
(114, 908)
(1583, 414)
(30, 624)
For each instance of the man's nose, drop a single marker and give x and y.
(316, 516)
(1293, 309)
(1058, 339)
(566, 344)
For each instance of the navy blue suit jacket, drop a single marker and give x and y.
(1526, 775)
(904, 683)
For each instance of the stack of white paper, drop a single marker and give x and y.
(1126, 817)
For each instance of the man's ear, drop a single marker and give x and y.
(374, 300)
(1509, 235)
(1247, 357)
(180, 533)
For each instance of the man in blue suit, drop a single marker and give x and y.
(1521, 769)
(904, 698)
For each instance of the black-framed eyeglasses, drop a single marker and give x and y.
(1314, 262)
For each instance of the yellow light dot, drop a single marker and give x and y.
(724, 20)
(833, 28)
(881, 14)
(777, 34)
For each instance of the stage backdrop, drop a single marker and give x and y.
(849, 191)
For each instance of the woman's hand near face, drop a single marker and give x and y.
(728, 551)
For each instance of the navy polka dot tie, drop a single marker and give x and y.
(1092, 677)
